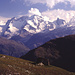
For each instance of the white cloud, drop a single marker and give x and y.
(62, 14)
(34, 11)
(53, 14)
(51, 3)
(72, 2)
(35, 1)
(13, 0)
(3, 20)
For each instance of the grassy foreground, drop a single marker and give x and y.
(16, 66)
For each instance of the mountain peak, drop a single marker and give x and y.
(59, 22)
(33, 24)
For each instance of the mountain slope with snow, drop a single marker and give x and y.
(40, 38)
(32, 24)
(34, 30)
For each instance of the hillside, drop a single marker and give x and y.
(12, 48)
(59, 52)
(16, 66)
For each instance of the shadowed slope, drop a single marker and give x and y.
(60, 52)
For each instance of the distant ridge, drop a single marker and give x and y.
(12, 48)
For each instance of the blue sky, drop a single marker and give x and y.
(11, 8)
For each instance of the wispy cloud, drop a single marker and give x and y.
(3, 19)
(12, 0)
(62, 14)
(53, 14)
(34, 11)
(51, 3)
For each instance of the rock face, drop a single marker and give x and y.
(40, 64)
(59, 52)
(44, 61)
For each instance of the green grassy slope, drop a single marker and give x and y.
(16, 66)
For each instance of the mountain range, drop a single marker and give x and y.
(35, 30)
(32, 24)
(20, 35)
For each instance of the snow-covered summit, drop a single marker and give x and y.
(71, 22)
(32, 24)
(59, 23)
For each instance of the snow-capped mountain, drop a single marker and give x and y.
(32, 24)
(2, 23)
(59, 23)
(35, 30)
(71, 22)
(40, 38)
